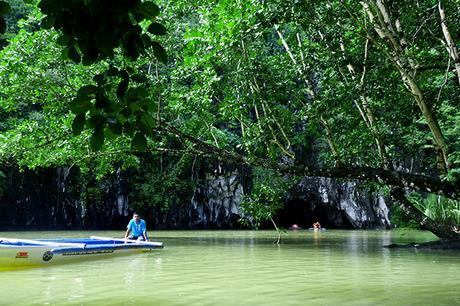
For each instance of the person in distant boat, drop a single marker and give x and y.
(316, 226)
(295, 227)
(136, 229)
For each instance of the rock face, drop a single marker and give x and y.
(333, 204)
(55, 199)
(215, 204)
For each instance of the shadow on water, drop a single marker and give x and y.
(246, 268)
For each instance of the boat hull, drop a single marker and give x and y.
(16, 254)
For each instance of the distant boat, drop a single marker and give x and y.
(24, 252)
(317, 229)
(295, 227)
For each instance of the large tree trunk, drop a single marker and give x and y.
(381, 21)
(368, 117)
(449, 41)
(440, 230)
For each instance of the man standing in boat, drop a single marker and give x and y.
(136, 229)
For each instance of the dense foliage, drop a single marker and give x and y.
(355, 90)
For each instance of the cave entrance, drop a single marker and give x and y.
(303, 213)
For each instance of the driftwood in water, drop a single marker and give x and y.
(444, 244)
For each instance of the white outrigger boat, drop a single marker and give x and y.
(16, 253)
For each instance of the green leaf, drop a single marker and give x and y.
(146, 40)
(95, 122)
(149, 9)
(132, 46)
(97, 139)
(81, 104)
(78, 124)
(115, 126)
(137, 15)
(137, 93)
(128, 128)
(126, 112)
(5, 8)
(156, 29)
(134, 106)
(159, 52)
(87, 90)
(100, 79)
(102, 101)
(146, 123)
(122, 88)
(139, 142)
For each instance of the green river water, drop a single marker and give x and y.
(245, 268)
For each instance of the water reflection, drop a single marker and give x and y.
(245, 268)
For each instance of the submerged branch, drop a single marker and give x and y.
(277, 241)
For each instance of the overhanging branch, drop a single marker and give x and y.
(388, 177)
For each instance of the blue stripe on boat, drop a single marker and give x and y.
(99, 249)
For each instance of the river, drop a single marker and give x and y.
(246, 268)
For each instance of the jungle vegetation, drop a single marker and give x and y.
(369, 88)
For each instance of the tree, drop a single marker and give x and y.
(362, 89)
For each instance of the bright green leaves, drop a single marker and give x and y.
(4, 9)
(113, 107)
(266, 197)
(92, 29)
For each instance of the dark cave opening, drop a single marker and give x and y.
(303, 213)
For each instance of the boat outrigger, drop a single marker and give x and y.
(15, 253)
